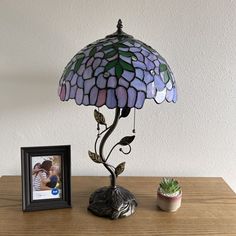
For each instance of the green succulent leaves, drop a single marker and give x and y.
(169, 185)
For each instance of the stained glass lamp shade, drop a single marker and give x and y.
(117, 72)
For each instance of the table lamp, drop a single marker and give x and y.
(118, 72)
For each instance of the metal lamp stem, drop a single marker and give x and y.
(102, 143)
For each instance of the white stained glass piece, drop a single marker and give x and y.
(160, 96)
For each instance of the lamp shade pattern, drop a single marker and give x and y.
(117, 72)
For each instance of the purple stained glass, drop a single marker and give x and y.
(101, 81)
(88, 84)
(121, 94)
(111, 98)
(117, 72)
(93, 95)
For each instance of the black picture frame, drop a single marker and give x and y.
(27, 153)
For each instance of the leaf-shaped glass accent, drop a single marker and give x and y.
(95, 157)
(79, 62)
(126, 66)
(118, 70)
(92, 52)
(120, 168)
(125, 112)
(163, 67)
(110, 54)
(126, 140)
(110, 65)
(126, 54)
(99, 117)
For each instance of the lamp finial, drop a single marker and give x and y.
(119, 26)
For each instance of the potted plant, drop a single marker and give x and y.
(169, 195)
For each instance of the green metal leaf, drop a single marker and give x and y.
(92, 52)
(120, 168)
(163, 67)
(110, 65)
(126, 66)
(99, 117)
(118, 70)
(95, 157)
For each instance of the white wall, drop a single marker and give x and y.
(194, 137)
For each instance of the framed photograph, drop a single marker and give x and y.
(46, 177)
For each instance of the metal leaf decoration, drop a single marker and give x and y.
(99, 117)
(125, 112)
(120, 168)
(126, 140)
(95, 157)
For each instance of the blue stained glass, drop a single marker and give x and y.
(139, 64)
(121, 95)
(99, 55)
(149, 64)
(98, 71)
(139, 56)
(132, 95)
(74, 80)
(123, 49)
(139, 73)
(175, 95)
(148, 77)
(152, 57)
(90, 61)
(67, 84)
(86, 100)
(73, 91)
(133, 49)
(96, 63)
(88, 73)
(88, 84)
(104, 62)
(151, 90)
(93, 95)
(145, 53)
(129, 76)
(79, 96)
(69, 77)
(140, 100)
(117, 72)
(123, 82)
(127, 59)
(80, 82)
(101, 82)
(111, 98)
(169, 95)
(112, 82)
(159, 83)
(160, 96)
(81, 70)
(138, 85)
(169, 85)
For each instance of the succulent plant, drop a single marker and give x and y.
(169, 186)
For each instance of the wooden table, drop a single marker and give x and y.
(208, 208)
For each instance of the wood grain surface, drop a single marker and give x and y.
(208, 208)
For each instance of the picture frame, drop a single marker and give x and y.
(46, 177)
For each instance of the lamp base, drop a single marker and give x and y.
(112, 202)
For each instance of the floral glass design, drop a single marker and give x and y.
(117, 72)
